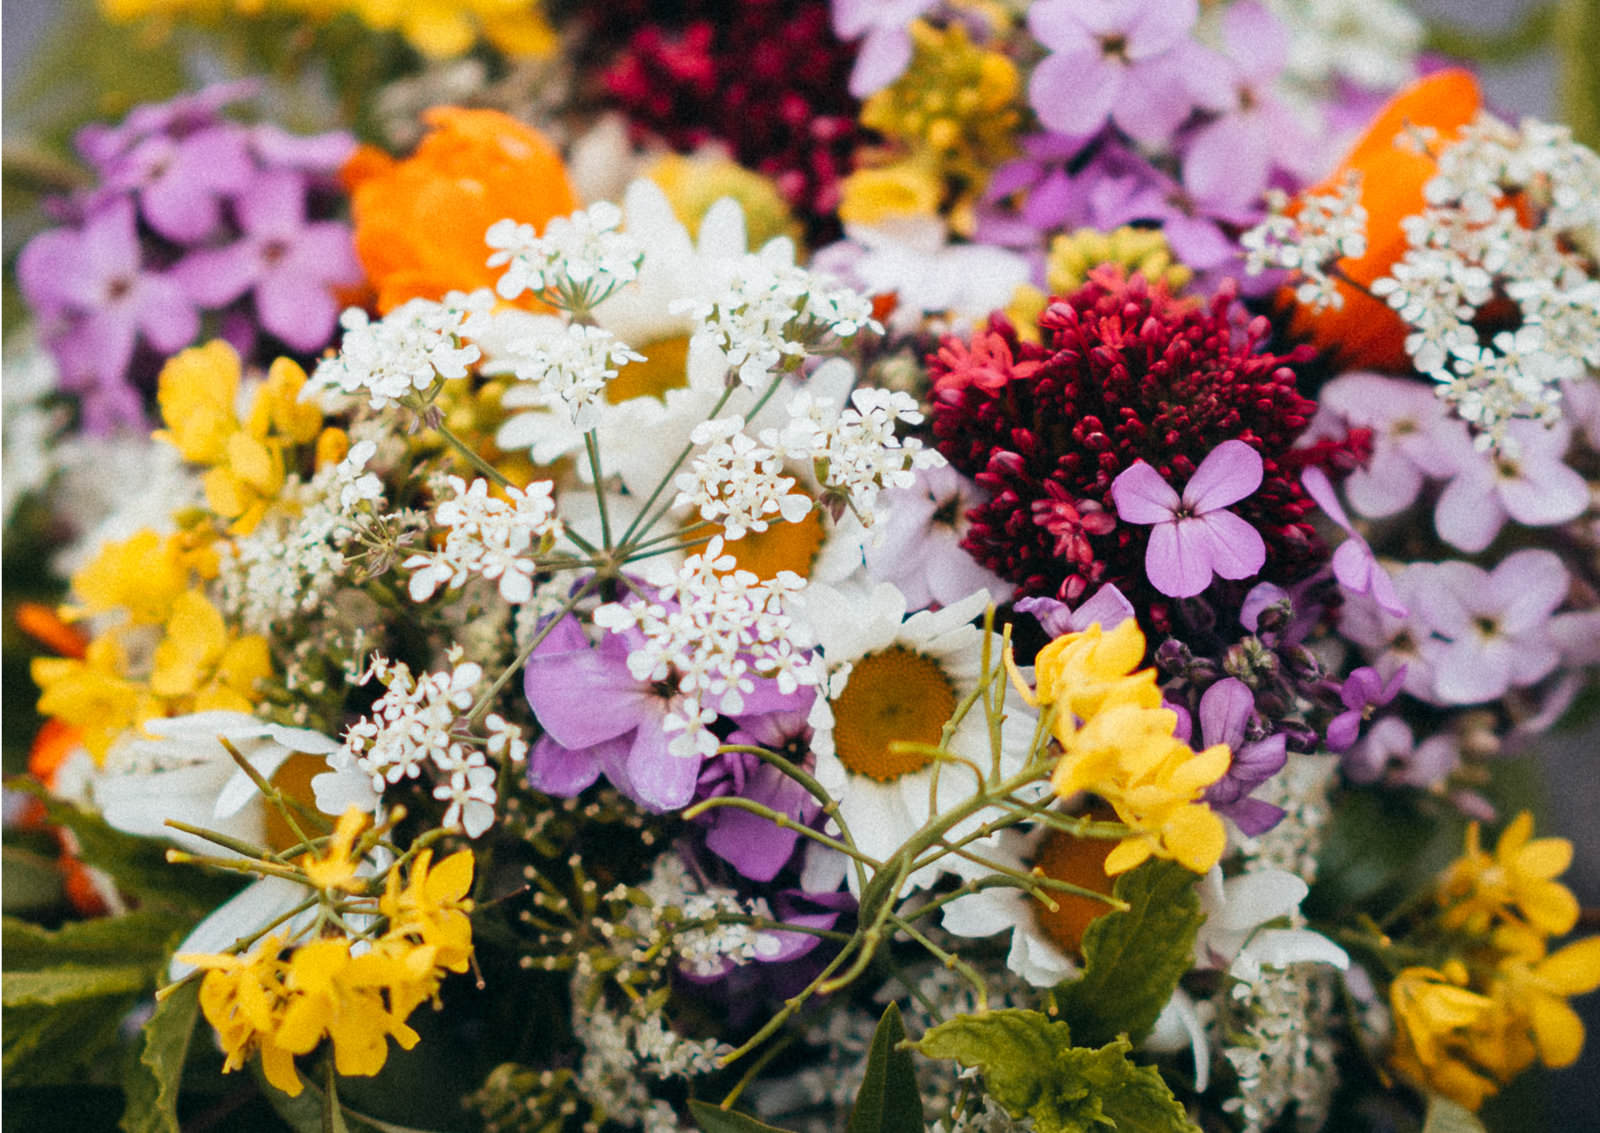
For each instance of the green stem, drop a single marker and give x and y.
(948, 959)
(481, 708)
(779, 819)
(473, 458)
(633, 528)
(592, 444)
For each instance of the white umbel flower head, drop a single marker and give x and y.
(576, 265)
(407, 350)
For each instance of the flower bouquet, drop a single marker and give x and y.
(916, 566)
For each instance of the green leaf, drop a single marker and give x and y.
(64, 1045)
(713, 1119)
(152, 1079)
(50, 986)
(1030, 1069)
(148, 934)
(888, 1101)
(1446, 1116)
(332, 1111)
(1134, 959)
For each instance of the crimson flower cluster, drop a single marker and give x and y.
(766, 78)
(1124, 371)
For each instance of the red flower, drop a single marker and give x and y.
(1124, 372)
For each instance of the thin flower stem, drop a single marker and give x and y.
(778, 818)
(830, 805)
(1033, 881)
(684, 546)
(486, 698)
(949, 960)
(790, 1006)
(237, 845)
(473, 458)
(683, 533)
(634, 528)
(756, 1067)
(272, 794)
(592, 444)
(265, 869)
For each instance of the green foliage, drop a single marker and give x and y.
(68, 982)
(888, 1101)
(146, 935)
(1031, 1069)
(712, 1119)
(152, 1078)
(1134, 959)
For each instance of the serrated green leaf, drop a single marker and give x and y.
(1014, 1048)
(712, 1119)
(1134, 959)
(1446, 1116)
(152, 1079)
(147, 934)
(888, 1101)
(1030, 1069)
(50, 986)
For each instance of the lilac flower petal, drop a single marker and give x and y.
(313, 153)
(565, 684)
(1177, 566)
(1257, 40)
(884, 56)
(1468, 516)
(1253, 817)
(1261, 595)
(215, 277)
(1386, 486)
(1343, 730)
(658, 779)
(165, 314)
(274, 206)
(561, 771)
(1470, 671)
(1142, 496)
(1526, 588)
(1228, 161)
(1234, 548)
(1320, 489)
(302, 315)
(1075, 92)
(1229, 473)
(1225, 709)
(1547, 493)
(1107, 606)
(1156, 26)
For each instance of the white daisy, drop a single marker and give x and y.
(890, 678)
(1038, 952)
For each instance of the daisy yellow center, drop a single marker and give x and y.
(1077, 861)
(782, 546)
(293, 777)
(665, 366)
(896, 694)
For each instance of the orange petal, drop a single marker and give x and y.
(44, 625)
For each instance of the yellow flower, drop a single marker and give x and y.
(197, 392)
(144, 575)
(1542, 989)
(433, 906)
(243, 998)
(1142, 250)
(906, 188)
(1085, 673)
(333, 994)
(93, 694)
(335, 869)
(199, 660)
(1516, 884)
(277, 409)
(694, 184)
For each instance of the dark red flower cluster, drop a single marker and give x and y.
(766, 78)
(1124, 372)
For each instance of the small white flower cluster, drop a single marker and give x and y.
(290, 565)
(770, 313)
(356, 484)
(407, 350)
(489, 537)
(413, 726)
(1473, 242)
(1301, 789)
(1329, 227)
(578, 262)
(1284, 1051)
(574, 366)
(1373, 42)
(736, 481)
(711, 631)
(855, 451)
(707, 950)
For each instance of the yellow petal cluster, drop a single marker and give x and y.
(198, 392)
(280, 1002)
(1470, 1026)
(1117, 742)
(163, 649)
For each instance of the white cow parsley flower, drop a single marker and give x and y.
(737, 482)
(578, 262)
(407, 350)
(489, 537)
(574, 366)
(1329, 227)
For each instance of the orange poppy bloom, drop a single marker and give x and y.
(1365, 332)
(420, 220)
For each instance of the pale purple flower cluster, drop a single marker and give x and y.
(193, 218)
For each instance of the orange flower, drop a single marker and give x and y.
(420, 221)
(1364, 332)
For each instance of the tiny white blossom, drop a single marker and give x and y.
(489, 537)
(407, 350)
(1328, 227)
(737, 482)
(573, 366)
(356, 484)
(579, 261)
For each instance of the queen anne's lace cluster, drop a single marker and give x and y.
(770, 313)
(1283, 1049)
(854, 451)
(578, 262)
(712, 631)
(488, 536)
(736, 481)
(574, 366)
(1327, 228)
(415, 725)
(408, 350)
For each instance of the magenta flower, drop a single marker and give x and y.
(1192, 536)
(1363, 691)
(292, 265)
(1122, 60)
(1534, 487)
(1107, 606)
(751, 843)
(1354, 564)
(1225, 713)
(182, 181)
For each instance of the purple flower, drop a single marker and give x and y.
(1117, 60)
(101, 144)
(181, 182)
(1108, 607)
(92, 283)
(885, 51)
(921, 551)
(322, 154)
(1390, 748)
(1354, 564)
(1225, 710)
(754, 845)
(1497, 625)
(1533, 487)
(1414, 436)
(1192, 537)
(1228, 160)
(291, 265)
(1363, 691)
(1397, 643)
